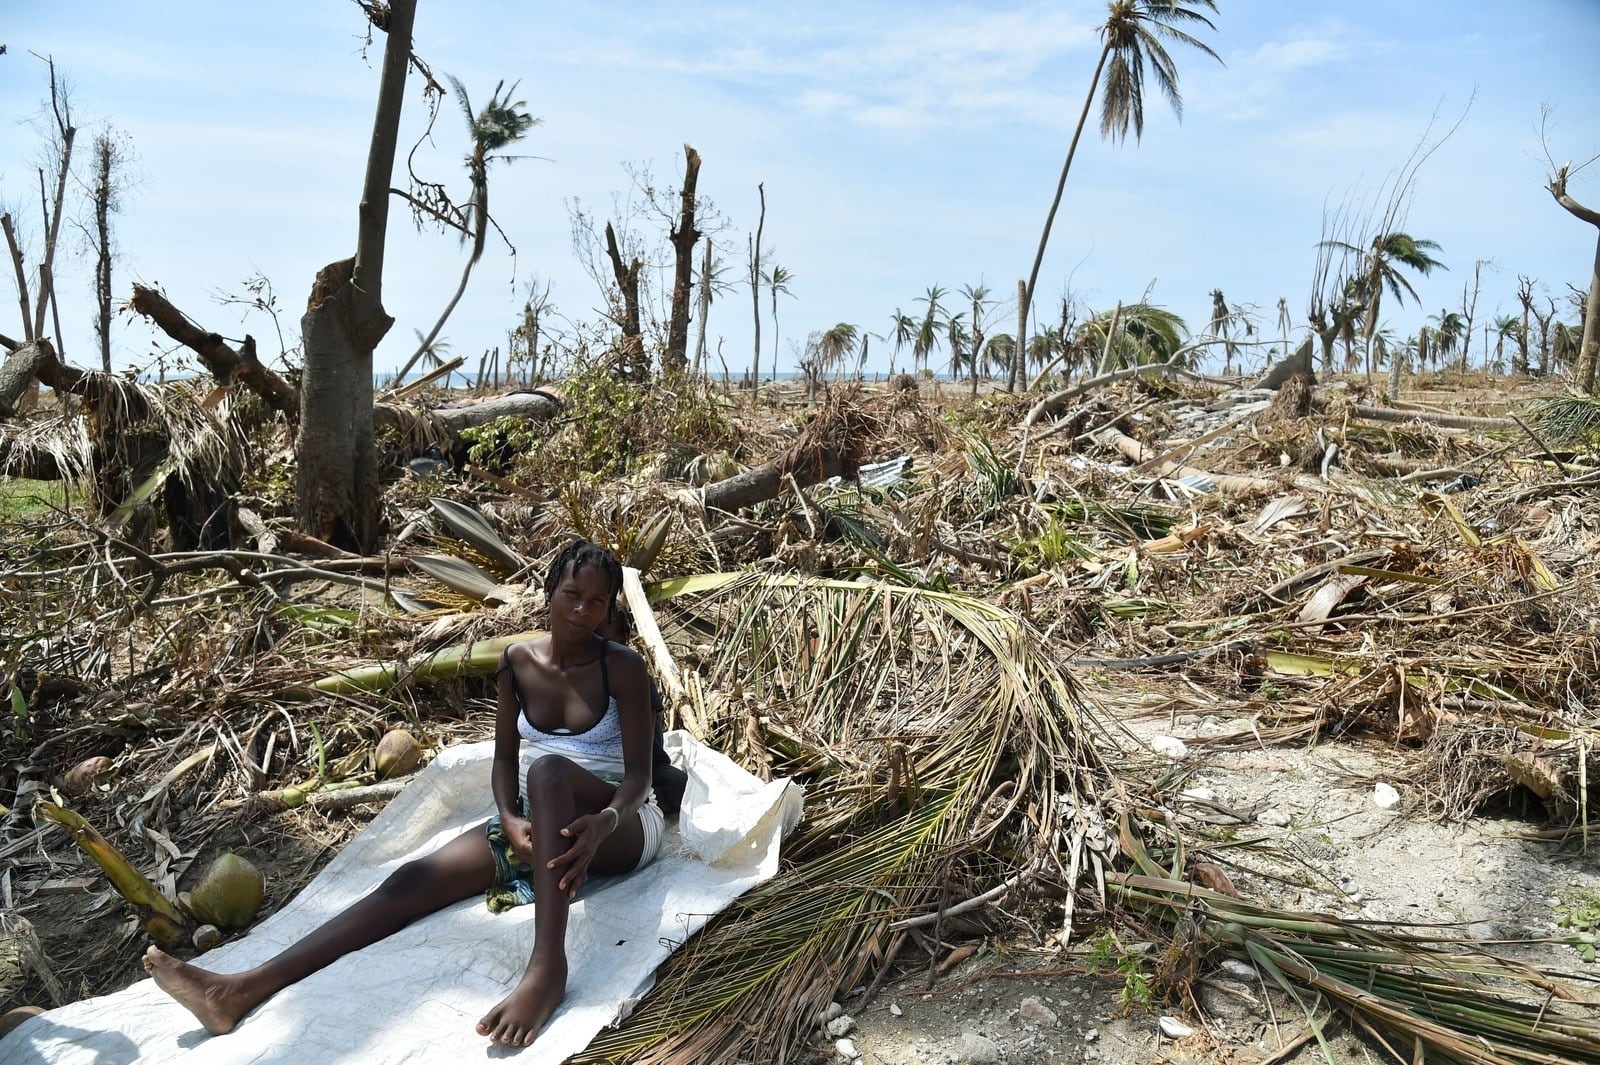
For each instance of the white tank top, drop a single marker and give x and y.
(597, 748)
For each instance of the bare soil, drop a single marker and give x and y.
(1484, 878)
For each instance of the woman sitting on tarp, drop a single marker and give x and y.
(585, 706)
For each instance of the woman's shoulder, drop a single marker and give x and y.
(525, 650)
(621, 656)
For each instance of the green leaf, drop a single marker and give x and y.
(469, 526)
(458, 574)
(19, 705)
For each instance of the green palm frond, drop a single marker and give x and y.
(1570, 421)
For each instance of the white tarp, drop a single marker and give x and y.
(416, 996)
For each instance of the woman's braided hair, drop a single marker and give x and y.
(578, 555)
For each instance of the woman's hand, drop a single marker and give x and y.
(519, 833)
(587, 832)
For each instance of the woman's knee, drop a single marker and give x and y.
(414, 878)
(550, 771)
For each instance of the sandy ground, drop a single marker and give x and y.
(1356, 859)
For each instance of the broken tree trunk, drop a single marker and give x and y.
(635, 367)
(675, 359)
(1227, 484)
(225, 364)
(19, 371)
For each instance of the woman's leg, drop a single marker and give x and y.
(458, 870)
(558, 791)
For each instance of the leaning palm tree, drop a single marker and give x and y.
(1506, 327)
(1132, 34)
(1447, 334)
(501, 123)
(1384, 256)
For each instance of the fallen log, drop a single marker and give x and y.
(536, 404)
(225, 364)
(1227, 483)
(1443, 421)
(749, 487)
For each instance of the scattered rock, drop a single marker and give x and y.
(833, 1010)
(841, 1025)
(1384, 797)
(1274, 818)
(1171, 746)
(978, 1049)
(1034, 1011)
(1173, 1028)
(1238, 970)
(894, 1008)
(846, 1049)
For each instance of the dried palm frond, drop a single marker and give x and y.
(940, 742)
(1451, 1001)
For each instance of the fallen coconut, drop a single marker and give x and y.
(12, 1018)
(206, 936)
(398, 753)
(229, 894)
(77, 781)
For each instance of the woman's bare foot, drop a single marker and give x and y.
(521, 1015)
(207, 995)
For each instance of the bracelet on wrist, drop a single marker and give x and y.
(616, 818)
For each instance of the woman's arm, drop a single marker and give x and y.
(505, 778)
(631, 686)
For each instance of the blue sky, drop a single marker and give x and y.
(901, 146)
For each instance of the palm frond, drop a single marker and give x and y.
(941, 744)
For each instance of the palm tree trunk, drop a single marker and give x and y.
(1061, 187)
(705, 309)
(336, 479)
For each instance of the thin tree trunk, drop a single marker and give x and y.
(1111, 336)
(9, 227)
(1589, 350)
(705, 310)
(1019, 345)
(102, 264)
(634, 366)
(675, 359)
(755, 286)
